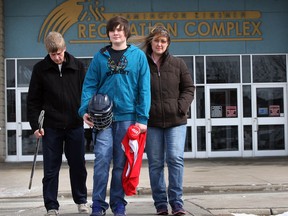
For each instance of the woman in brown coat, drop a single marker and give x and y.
(172, 92)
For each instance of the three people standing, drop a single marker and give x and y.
(122, 73)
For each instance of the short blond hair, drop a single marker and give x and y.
(54, 41)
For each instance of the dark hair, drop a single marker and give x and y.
(118, 20)
(159, 31)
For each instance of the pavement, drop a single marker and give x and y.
(217, 186)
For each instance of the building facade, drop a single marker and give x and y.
(236, 50)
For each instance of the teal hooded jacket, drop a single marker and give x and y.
(127, 84)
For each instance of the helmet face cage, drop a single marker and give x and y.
(100, 111)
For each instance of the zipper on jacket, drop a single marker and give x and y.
(60, 70)
(158, 68)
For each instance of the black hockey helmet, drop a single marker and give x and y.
(100, 111)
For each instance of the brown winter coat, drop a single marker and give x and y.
(172, 92)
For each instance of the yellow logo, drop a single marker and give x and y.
(89, 19)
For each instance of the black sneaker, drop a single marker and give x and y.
(119, 210)
(97, 211)
(177, 209)
(162, 210)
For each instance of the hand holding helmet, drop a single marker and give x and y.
(87, 120)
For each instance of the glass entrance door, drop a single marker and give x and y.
(26, 141)
(21, 141)
(223, 122)
(269, 120)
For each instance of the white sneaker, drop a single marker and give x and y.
(83, 208)
(52, 212)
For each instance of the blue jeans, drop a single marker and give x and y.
(166, 144)
(72, 142)
(107, 147)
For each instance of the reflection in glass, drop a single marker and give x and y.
(223, 103)
(223, 69)
(247, 111)
(269, 68)
(24, 71)
(224, 138)
(10, 73)
(271, 137)
(29, 143)
(270, 102)
(12, 150)
(188, 141)
(200, 102)
(201, 138)
(247, 137)
(11, 106)
(199, 69)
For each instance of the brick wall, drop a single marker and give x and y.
(2, 87)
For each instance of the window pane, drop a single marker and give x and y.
(200, 102)
(201, 138)
(88, 133)
(188, 141)
(247, 111)
(270, 102)
(223, 69)
(189, 63)
(269, 68)
(246, 69)
(24, 107)
(86, 62)
(11, 142)
(271, 137)
(24, 71)
(224, 138)
(10, 73)
(199, 69)
(29, 143)
(223, 103)
(247, 137)
(11, 106)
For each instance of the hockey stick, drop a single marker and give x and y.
(40, 122)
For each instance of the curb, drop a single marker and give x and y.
(252, 212)
(188, 190)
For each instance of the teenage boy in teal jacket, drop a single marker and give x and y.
(120, 71)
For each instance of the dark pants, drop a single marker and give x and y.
(72, 142)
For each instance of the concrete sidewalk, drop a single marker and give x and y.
(207, 184)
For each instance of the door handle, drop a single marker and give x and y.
(19, 129)
(209, 125)
(256, 124)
